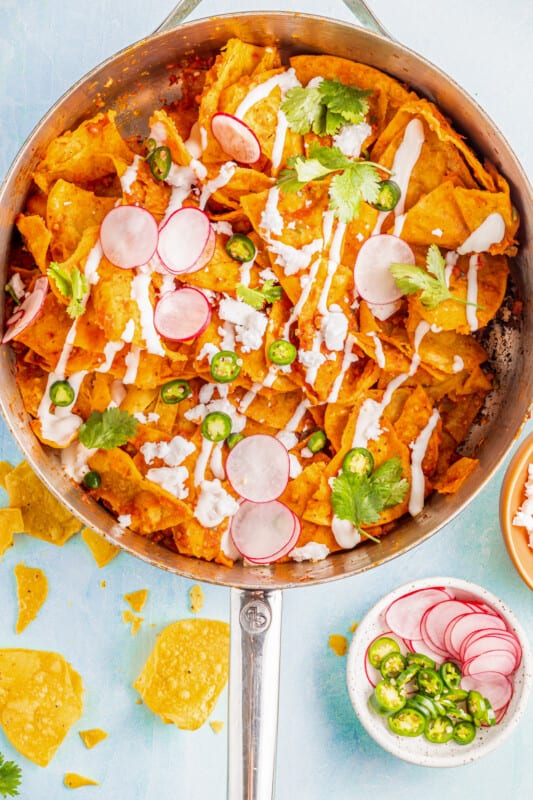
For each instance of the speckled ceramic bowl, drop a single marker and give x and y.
(512, 496)
(418, 750)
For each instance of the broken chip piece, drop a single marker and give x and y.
(32, 591)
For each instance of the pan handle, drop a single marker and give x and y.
(253, 693)
(364, 16)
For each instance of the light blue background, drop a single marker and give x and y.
(45, 45)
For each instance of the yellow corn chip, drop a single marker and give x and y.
(10, 522)
(5, 468)
(40, 699)
(102, 550)
(137, 599)
(74, 781)
(216, 726)
(136, 622)
(92, 737)
(186, 672)
(196, 598)
(32, 591)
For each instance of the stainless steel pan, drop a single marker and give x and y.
(256, 592)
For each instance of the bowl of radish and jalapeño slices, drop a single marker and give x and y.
(439, 672)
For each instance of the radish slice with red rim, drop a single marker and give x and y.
(490, 661)
(235, 138)
(437, 618)
(463, 626)
(373, 279)
(186, 241)
(258, 468)
(183, 314)
(497, 688)
(264, 532)
(485, 644)
(422, 646)
(27, 312)
(404, 614)
(128, 236)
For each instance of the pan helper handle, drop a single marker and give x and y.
(362, 13)
(253, 693)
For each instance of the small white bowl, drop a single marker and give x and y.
(418, 750)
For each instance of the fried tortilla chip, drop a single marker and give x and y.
(92, 737)
(32, 591)
(74, 781)
(136, 600)
(102, 550)
(11, 522)
(186, 672)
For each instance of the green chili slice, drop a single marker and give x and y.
(282, 352)
(407, 722)
(317, 441)
(360, 461)
(240, 247)
(225, 366)
(62, 393)
(175, 391)
(439, 730)
(464, 732)
(233, 438)
(160, 162)
(451, 675)
(92, 479)
(388, 196)
(380, 648)
(216, 426)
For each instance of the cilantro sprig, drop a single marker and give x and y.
(110, 428)
(430, 282)
(259, 298)
(361, 498)
(72, 285)
(10, 778)
(325, 108)
(354, 179)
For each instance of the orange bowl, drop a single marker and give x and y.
(512, 495)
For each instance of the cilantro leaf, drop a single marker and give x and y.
(10, 778)
(361, 498)
(358, 182)
(108, 429)
(331, 158)
(430, 282)
(72, 285)
(304, 110)
(347, 101)
(259, 298)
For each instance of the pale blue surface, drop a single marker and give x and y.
(323, 752)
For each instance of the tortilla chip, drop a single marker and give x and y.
(69, 212)
(102, 551)
(217, 726)
(196, 598)
(32, 591)
(92, 737)
(40, 699)
(186, 672)
(456, 475)
(129, 618)
(11, 522)
(136, 600)
(44, 516)
(74, 781)
(36, 237)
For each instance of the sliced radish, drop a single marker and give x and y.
(463, 626)
(258, 468)
(27, 312)
(186, 241)
(182, 314)
(437, 618)
(128, 236)
(497, 688)
(236, 138)
(422, 646)
(264, 532)
(490, 661)
(404, 614)
(373, 278)
(484, 644)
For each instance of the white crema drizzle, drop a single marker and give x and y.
(418, 451)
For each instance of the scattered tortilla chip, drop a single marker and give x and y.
(338, 643)
(136, 599)
(128, 617)
(32, 591)
(186, 672)
(216, 726)
(40, 699)
(44, 516)
(5, 469)
(196, 598)
(102, 551)
(11, 522)
(92, 737)
(353, 627)
(74, 781)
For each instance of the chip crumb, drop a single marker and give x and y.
(103, 584)
(136, 600)
(136, 622)
(32, 591)
(5, 469)
(196, 598)
(338, 644)
(102, 551)
(216, 725)
(353, 627)
(11, 522)
(74, 781)
(92, 737)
